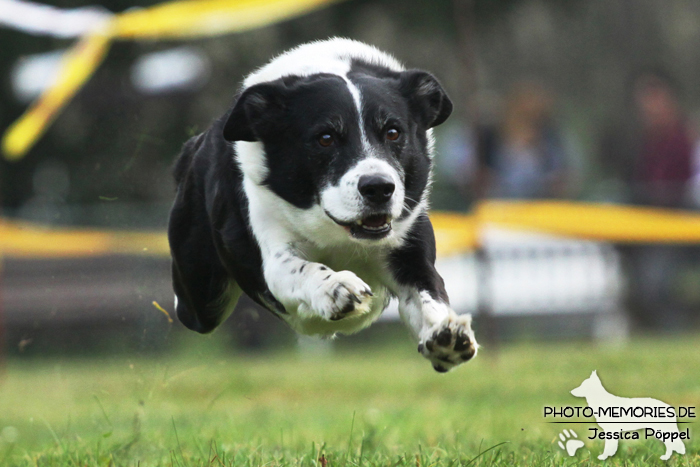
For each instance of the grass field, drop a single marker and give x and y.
(381, 406)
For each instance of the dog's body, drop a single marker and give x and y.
(597, 398)
(322, 165)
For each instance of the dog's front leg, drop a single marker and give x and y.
(609, 450)
(444, 337)
(313, 289)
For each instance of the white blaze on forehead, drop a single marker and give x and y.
(332, 56)
(357, 98)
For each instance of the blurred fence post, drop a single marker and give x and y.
(484, 310)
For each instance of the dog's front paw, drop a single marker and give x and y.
(340, 295)
(449, 343)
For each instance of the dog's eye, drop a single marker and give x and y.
(326, 140)
(392, 134)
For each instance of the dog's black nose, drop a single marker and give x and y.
(376, 189)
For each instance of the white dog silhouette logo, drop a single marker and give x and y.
(617, 415)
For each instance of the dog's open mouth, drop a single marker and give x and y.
(375, 226)
(372, 227)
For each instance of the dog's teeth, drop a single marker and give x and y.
(381, 227)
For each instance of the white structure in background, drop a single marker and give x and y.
(535, 274)
(38, 19)
(33, 74)
(179, 69)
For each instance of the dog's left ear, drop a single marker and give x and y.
(426, 97)
(255, 111)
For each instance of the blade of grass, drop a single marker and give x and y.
(484, 452)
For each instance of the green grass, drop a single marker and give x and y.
(383, 406)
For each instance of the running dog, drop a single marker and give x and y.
(310, 195)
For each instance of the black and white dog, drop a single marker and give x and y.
(310, 195)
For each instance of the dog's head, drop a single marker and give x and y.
(590, 386)
(352, 143)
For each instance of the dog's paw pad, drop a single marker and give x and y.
(342, 295)
(569, 443)
(449, 343)
(443, 338)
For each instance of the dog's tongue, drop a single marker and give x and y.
(374, 221)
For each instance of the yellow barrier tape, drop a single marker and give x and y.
(454, 233)
(198, 18)
(77, 66)
(180, 19)
(612, 223)
(27, 240)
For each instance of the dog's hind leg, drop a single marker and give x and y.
(205, 292)
(668, 453)
(679, 446)
(674, 445)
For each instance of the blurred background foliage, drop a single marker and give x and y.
(106, 159)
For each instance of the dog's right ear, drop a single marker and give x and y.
(255, 112)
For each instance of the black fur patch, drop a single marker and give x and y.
(414, 263)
